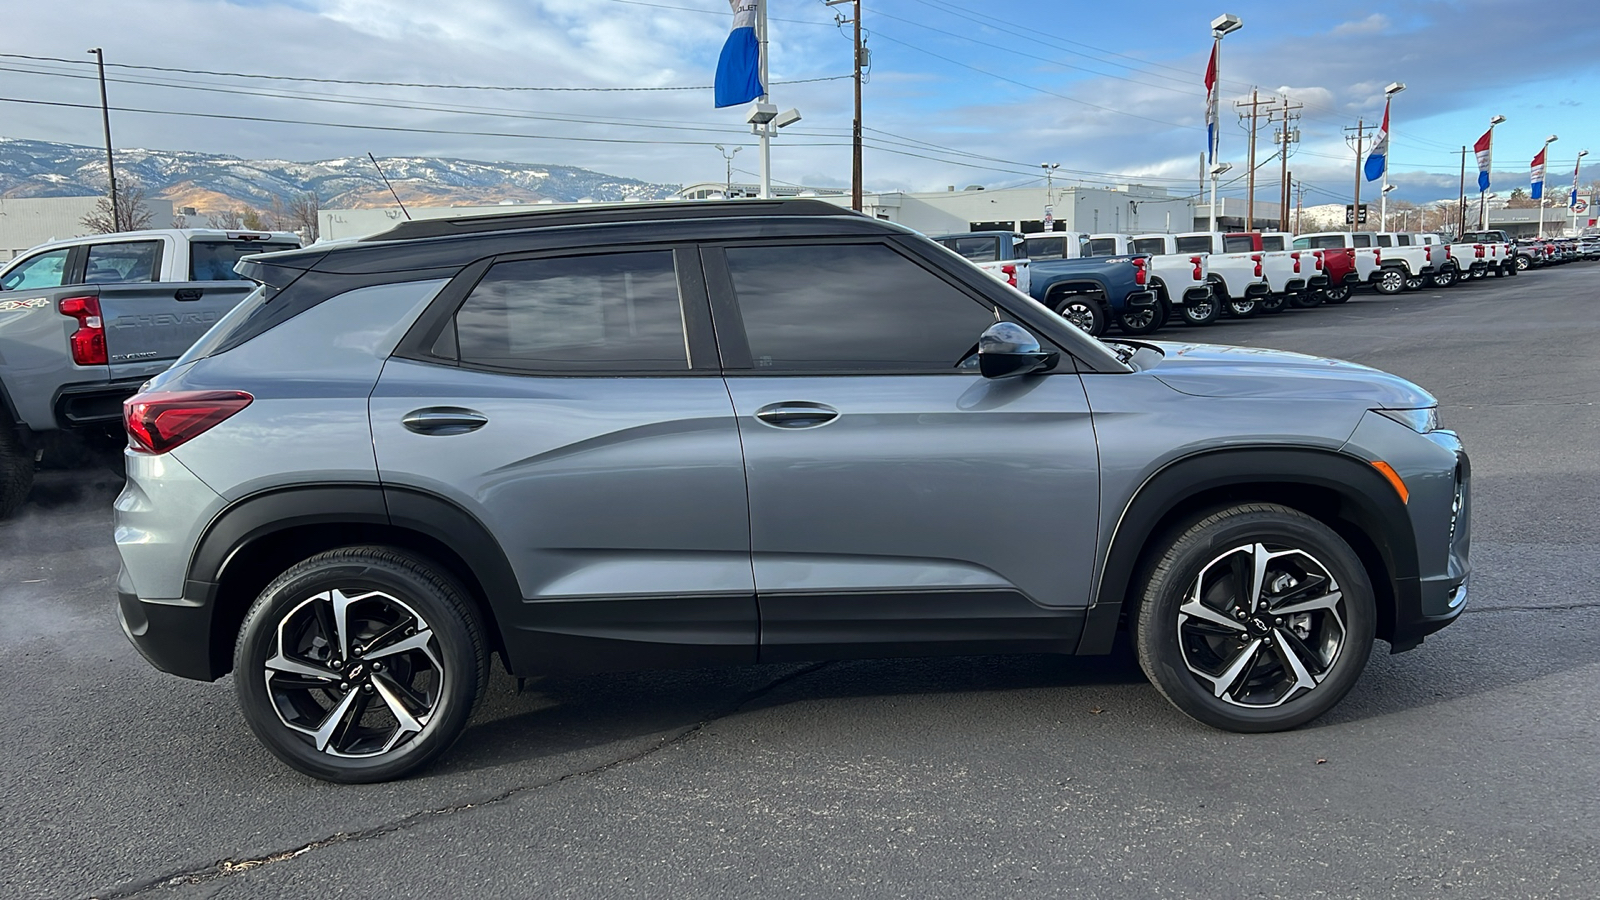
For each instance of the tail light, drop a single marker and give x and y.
(1296, 258)
(1350, 255)
(1477, 250)
(1377, 254)
(1316, 260)
(89, 341)
(1428, 252)
(1010, 272)
(1256, 258)
(1448, 253)
(1139, 275)
(1199, 275)
(157, 423)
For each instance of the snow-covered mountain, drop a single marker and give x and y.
(213, 183)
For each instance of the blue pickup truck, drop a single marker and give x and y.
(1089, 292)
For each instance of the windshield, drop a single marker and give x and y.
(214, 260)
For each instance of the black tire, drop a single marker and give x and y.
(1447, 276)
(386, 591)
(16, 469)
(1272, 304)
(1143, 321)
(1512, 270)
(1391, 280)
(1336, 295)
(1202, 313)
(1229, 665)
(1523, 262)
(1240, 309)
(1306, 300)
(1083, 310)
(1416, 282)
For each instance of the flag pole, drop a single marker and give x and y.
(766, 127)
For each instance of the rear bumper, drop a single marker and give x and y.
(1317, 281)
(1140, 300)
(82, 405)
(172, 635)
(1198, 294)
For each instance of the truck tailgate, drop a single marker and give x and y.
(149, 325)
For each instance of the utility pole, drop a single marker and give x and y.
(1462, 202)
(105, 118)
(1299, 204)
(1250, 195)
(860, 57)
(1285, 117)
(1360, 130)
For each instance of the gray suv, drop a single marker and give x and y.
(665, 435)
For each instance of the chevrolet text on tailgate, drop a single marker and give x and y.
(84, 322)
(658, 435)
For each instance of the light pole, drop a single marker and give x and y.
(1388, 141)
(1572, 199)
(1543, 156)
(727, 190)
(1483, 197)
(105, 117)
(1221, 27)
(1049, 194)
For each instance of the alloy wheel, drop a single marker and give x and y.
(356, 673)
(1262, 625)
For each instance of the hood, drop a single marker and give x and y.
(1206, 370)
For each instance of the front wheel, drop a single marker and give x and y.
(1336, 295)
(1085, 312)
(1255, 618)
(359, 665)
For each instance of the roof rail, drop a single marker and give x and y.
(592, 214)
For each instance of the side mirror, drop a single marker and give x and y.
(1007, 350)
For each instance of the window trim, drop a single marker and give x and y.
(700, 341)
(734, 343)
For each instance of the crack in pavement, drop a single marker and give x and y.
(230, 867)
(1534, 607)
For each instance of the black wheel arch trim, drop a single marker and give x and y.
(279, 511)
(1366, 502)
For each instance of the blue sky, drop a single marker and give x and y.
(961, 92)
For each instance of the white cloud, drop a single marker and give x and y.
(1377, 23)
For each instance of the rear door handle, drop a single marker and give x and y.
(797, 414)
(444, 420)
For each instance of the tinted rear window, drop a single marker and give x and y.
(1102, 247)
(977, 249)
(1046, 248)
(1361, 240)
(1152, 246)
(214, 260)
(1200, 244)
(1238, 244)
(1272, 242)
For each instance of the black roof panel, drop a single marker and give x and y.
(608, 213)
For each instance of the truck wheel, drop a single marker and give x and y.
(1085, 312)
(1240, 309)
(1305, 300)
(1391, 281)
(1273, 303)
(1336, 295)
(1203, 313)
(1142, 321)
(1512, 270)
(1416, 282)
(1445, 277)
(16, 469)
(1255, 618)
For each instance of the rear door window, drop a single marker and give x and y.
(214, 260)
(126, 262)
(47, 270)
(1102, 247)
(977, 249)
(1047, 248)
(608, 312)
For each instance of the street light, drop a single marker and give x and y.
(1572, 200)
(1542, 150)
(727, 191)
(1221, 26)
(1383, 198)
(1049, 220)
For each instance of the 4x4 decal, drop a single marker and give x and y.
(30, 303)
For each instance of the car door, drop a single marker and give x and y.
(898, 503)
(573, 406)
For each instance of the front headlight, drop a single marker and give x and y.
(1422, 421)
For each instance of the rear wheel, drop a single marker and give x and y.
(1416, 282)
(1255, 618)
(1523, 263)
(1240, 309)
(1391, 281)
(1273, 303)
(1083, 310)
(1336, 295)
(1142, 321)
(1306, 300)
(1203, 312)
(16, 469)
(359, 665)
(1445, 277)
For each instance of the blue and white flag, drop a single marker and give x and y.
(1378, 158)
(739, 66)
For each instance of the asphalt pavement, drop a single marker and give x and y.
(1463, 769)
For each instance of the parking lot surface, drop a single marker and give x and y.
(1464, 769)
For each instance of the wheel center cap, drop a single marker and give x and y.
(1259, 626)
(356, 671)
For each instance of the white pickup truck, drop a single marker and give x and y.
(1406, 264)
(1293, 275)
(1368, 256)
(1000, 253)
(1478, 255)
(1183, 279)
(1236, 270)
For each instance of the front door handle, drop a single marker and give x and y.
(796, 414)
(444, 420)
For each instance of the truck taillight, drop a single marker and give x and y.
(1316, 260)
(1010, 272)
(1448, 253)
(1350, 255)
(1428, 252)
(157, 423)
(1199, 274)
(1296, 258)
(1256, 258)
(1377, 254)
(1477, 250)
(89, 341)
(1139, 274)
